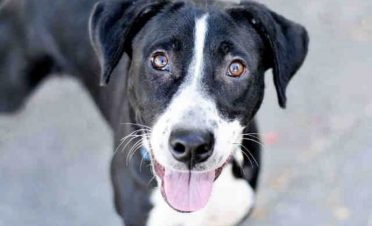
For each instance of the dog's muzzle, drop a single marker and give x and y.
(188, 190)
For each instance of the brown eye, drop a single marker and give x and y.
(236, 69)
(159, 61)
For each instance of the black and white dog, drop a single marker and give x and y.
(187, 78)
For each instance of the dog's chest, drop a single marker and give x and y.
(230, 201)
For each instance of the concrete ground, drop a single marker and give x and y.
(317, 168)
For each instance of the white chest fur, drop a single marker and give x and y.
(230, 201)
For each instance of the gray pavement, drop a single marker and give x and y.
(317, 165)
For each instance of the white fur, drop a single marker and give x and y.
(230, 201)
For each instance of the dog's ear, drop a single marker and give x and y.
(112, 27)
(287, 42)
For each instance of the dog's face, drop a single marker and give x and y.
(196, 80)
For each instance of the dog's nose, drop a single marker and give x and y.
(191, 146)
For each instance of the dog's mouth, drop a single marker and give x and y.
(186, 191)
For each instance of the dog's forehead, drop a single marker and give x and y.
(179, 23)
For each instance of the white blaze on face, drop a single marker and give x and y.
(191, 107)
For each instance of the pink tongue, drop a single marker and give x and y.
(187, 191)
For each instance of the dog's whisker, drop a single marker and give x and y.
(249, 158)
(132, 151)
(254, 159)
(245, 154)
(256, 134)
(130, 140)
(134, 148)
(257, 138)
(255, 141)
(133, 133)
(134, 145)
(242, 170)
(136, 124)
(153, 178)
(123, 141)
(252, 133)
(123, 149)
(130, 157)
(251, 155)
(132, 136)
(117, 148)
(137, 145)
(145, 136)
(241, 167)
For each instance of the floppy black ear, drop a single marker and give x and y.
(287, 42)
(113, 25)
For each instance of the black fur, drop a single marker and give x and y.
(287, 42)
(114, 25)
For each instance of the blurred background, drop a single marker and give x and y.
(317, 163)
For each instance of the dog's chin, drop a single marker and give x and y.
(186, 191)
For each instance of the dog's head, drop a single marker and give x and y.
(196, 79)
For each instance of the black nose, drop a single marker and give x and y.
(191, 146)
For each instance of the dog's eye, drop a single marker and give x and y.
(159, 61)
(236, 69)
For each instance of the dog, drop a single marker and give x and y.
(179, 82)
